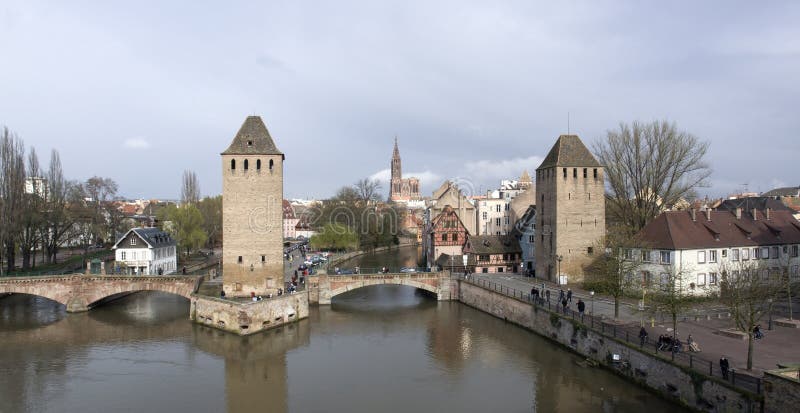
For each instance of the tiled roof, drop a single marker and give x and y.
(253, 138)
(675, 230)
(569, 150)
(288, 210)
(760, 203)
(153, 237)
(493, 244)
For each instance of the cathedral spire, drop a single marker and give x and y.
(396, 153)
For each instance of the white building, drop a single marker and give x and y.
(494, 216)
(699, 245)
(289, 221)
(146, 251)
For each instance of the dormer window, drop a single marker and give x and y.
(133, 241)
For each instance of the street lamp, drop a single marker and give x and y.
(591, 294)
(769, 326)
(558, 276)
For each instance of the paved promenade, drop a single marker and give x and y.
(779, 345)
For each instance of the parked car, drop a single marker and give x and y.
(408, 269)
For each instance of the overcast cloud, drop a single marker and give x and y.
(140, 91)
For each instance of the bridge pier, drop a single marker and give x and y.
(77, 304)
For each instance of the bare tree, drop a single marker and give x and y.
(648, 167)
(98, 193)
(670, 295)
(57, 220)
(612, 272)
(190, 188)
(368, 189)
(31, 218)
(747, 288)
(12, 190)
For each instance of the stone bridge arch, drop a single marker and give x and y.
(332, 285)
(79, 292)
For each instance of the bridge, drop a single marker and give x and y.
(81, 292)
(324, 287)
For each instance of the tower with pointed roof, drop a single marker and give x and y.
(570, 203)
(401, 189)
(252, 212)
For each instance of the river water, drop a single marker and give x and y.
(376, 349)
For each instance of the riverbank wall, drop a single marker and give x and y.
(245, 318)
(337, 261)
(673, 382)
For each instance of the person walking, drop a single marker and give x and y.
(581, 308)
(561, 295)
(533, 293)
(642, 336)
(569, 295)
(547, 295)
(564, 304)
(724, 366)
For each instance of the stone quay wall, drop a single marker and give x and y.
(691, 389)
(244, 318)
(782, 390)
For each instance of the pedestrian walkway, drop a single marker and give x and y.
(778, 346)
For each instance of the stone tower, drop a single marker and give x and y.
(570, 203)
(252, 213)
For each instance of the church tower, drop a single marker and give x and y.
(570, 210)
(397, 173)
(252, 212)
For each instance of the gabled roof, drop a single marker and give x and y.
(288, 210)
(153, 237)
(759, 202)
(569, 150)
(253, 138)
(675, 230)
(492, 244)
(448, 211)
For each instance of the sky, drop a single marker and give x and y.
(474, 91)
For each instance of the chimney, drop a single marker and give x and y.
(767, 214)
(694, 215)
(708, 214)
(738, 213)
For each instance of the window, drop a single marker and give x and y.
(585, 173)
(239, 260)
(444, 237)
(712, 256)
(499, 269)
(724, 253)
(133, 240)
(645, 256)
(271, 163)
(484, 270)
(665, 257)
(701, 279)
(595, 173)
(507, 220)
(628, 254)
(590, 250)
(263, 258)
(122, 255)
(745, 254)
(454, 237)
(233, 164)
(258, 164)
(497, 207)
(483, 257)
(531, 239)
(497, 221)
(249, 143)
(756, 253)
(565, 172)
(794, 250)
(795, 271)
(735, 254)
(712, 278)
(508, 204)
(773, 252)
(701, 257)
(246, 164)
(485, 215)
(764, 253)
(574, 172)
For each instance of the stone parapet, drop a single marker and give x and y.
(248, 317)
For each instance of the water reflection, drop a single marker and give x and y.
(382, 348)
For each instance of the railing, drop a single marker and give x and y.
(372, 271)
(629, 335)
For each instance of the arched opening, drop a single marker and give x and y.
(28, 311)
(271, 164)
(380, 297)
(258, 164)
(233, 164)
(130, 307)
(246, 164)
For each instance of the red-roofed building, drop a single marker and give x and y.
(700, 245)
